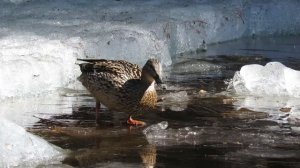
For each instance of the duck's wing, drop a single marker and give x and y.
(114, 72)
(91, 60)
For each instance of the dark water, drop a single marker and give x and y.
(206, 128)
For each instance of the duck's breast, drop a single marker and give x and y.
(149, 99)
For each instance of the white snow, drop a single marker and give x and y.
(19, 148)
(40, 40)
(273, 79)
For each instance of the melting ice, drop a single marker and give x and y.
(22, 149)
(32, 65)
(273, 79)
(273, 88)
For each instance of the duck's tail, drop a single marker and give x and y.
(91, 60)
(86, 67)
(89, 66)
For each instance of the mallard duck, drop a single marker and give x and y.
(122, 86)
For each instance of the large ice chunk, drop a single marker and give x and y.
(32, 65)
(22, 149)
(131, 43)
(273, 79)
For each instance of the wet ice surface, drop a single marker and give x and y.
(201, 123)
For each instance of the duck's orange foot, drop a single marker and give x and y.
(131, 121)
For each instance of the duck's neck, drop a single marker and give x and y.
(146, 79)
(148, 92)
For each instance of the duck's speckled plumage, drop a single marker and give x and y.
(118, 85)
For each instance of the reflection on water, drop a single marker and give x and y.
(208, 132)
(207, 126)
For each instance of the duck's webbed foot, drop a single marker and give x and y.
(131, 121)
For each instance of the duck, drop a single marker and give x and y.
(122, 86)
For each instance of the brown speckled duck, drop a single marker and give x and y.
(122, 86)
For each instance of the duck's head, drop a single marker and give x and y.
(152, 71)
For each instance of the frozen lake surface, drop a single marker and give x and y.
(202, 122)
